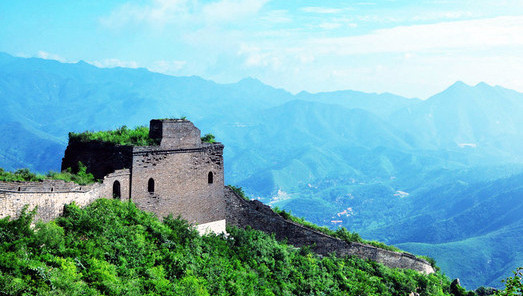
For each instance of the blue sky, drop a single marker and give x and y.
(412, 48)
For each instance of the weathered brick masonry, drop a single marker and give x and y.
(181, 176)
(51, 196)
(187, 182)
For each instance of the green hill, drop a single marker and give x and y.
(112, 248)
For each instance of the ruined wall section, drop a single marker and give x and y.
(51, 196)
(182, 185)
(175, 133)
(242, 213)
(101, 158)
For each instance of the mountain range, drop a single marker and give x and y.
(440, 176)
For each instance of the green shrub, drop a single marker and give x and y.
(209, 138)
(239, 191)
(24, 175)
(513, 284)
(20, 175)
(341, 233)
(113, 248)
(139, 136)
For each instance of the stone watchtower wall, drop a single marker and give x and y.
(187, 175)
(242, 213)
(180, 176)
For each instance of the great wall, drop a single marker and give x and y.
(180, 176)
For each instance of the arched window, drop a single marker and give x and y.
(117, 193)
(19, 188)
(210, 178)
(150, 185)
(52, 189)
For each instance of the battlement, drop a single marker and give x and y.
(43, 187)
(175, 133)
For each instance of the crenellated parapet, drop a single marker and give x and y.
(43, 187)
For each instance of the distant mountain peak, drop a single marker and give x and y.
(459, 84)
(250, 80)
(482, 84)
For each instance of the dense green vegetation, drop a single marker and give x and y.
(112, 248)
(138, 136)
(341, 233)
(513, 284)
(208, 138)
(239, 191)
(25, 175)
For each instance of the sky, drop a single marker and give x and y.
(410, 48)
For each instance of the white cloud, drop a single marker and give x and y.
(112, 63)
(158, 13)
(167, 67)
(229, 39)
(329, 26)
(443, 15)
(255, 57)
(277, 16)
(50, 56)
(231, 10)
(321, 10)
(459, 35)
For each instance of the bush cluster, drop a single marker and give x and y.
(138, 136)
(25, 175)
(208, 138)
(239, 191)
(341, 233)
(113, 248)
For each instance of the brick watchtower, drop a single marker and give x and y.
(180, 176)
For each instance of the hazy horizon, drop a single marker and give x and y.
(410, 49)
(268, 84)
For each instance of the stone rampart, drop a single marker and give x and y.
(242, 213)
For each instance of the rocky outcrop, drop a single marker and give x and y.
(243, 213)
